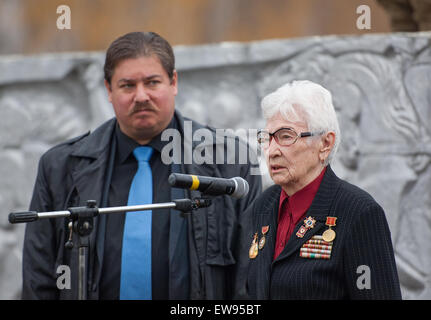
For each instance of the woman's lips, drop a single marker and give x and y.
(277, 168)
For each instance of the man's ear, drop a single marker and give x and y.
(174, 82)
(328, 141)
(108, 88)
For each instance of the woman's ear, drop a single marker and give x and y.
(328, 141)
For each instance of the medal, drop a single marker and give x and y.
(301, 232)
(262, 240)
(254, 249)
(316, 248)
(329, 234)
(308, 224)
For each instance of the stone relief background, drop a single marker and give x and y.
(381, 91)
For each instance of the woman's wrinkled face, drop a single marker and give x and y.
(292, 167)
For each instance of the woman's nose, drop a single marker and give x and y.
(273, 148)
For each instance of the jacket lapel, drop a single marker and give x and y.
(88, 176)
(319, 210)
(176, 222)
(178, 249)
(267, 217)
(92, 157)
(196, 223)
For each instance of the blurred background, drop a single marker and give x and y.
(29, 26)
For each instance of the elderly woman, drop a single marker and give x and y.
(311, 235)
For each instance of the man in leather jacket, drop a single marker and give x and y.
(193, 256)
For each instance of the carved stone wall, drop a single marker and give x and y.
(381, 90)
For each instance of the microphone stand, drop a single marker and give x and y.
(83, 223)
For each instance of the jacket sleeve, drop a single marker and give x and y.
(39, 277)
(369, 262)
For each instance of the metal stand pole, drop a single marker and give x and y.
(82, 224)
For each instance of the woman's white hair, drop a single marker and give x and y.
(304, 101)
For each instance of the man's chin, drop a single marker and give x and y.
(145, 124)
(149, 130)
(147, 127)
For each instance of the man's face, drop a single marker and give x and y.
(292, 167)
(143, 97)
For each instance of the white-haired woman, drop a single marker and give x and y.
(311, 235)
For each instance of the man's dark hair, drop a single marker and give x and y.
(136, 44)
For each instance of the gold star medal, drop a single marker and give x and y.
(262, 240)
(329, 234)
(254, 249)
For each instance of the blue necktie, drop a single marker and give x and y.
(136, 251)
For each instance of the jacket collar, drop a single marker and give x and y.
(185, 127)
(92, 154)
(96, 143)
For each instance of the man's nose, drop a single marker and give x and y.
(141, 93)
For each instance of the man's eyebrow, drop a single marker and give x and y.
(153, 76)
(126, 80)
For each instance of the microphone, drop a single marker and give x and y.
(236, 187)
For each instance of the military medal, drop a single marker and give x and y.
(316, 248)
(308, 224)
(254, 249)
(301, 232)
(329, 234)
(262, 240)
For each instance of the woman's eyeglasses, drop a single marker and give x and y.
(283, 136)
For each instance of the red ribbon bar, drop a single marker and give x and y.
(330, 221)
(317, 246)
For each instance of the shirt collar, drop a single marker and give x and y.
(301, 200)
(126, 145)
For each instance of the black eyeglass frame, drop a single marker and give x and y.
(273, 135)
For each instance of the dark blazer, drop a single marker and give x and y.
(76, 171)
(362, 239)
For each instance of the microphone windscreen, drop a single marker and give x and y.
(241, 189)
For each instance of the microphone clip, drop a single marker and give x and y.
(186, 206)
